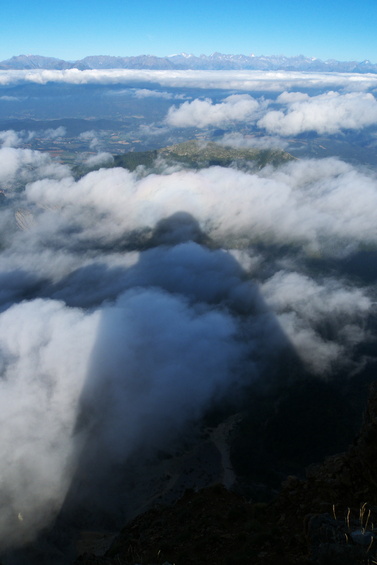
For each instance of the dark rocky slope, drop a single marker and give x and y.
(327, 518)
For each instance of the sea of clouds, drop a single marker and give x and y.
(328, 113)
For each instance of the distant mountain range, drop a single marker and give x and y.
(216, 61)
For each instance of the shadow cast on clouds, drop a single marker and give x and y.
(135, 323)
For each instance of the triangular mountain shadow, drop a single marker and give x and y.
(250, 430)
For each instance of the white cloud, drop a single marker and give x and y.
(92, 137)
(203, 113)
(306, 203)
(9, 138)
(24, 165)
(44, 351)
(296, 112)
(54, 133)
(152, 129)
(147, 93)
(326, 114)
(290, 97)
(236, 139)
(99, 159)
(304, 307)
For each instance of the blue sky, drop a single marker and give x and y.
(73, 29)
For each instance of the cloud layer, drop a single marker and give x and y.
(326, 114)
(227, 80)
(303, 203)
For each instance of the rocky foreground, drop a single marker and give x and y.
(327, 518)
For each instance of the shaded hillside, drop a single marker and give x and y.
(322, 520)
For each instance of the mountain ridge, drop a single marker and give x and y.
(187, 61)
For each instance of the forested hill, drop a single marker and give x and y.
(198, 154)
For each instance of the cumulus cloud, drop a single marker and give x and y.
(43, 366)
(153, 129)
(54, 133)
(326, 114)
(19, 166)
(304, 203)
(236, 139)
(9, 138)
(296, 113)
(303, 306)
(102, 158)
(91, 137)
(203, 113)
